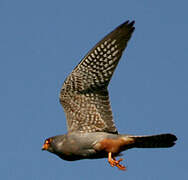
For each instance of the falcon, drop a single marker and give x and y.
(84, 96)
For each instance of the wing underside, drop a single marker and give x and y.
(84, 95)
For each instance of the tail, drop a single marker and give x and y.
(154, 141)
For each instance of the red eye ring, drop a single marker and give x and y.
(48, 141)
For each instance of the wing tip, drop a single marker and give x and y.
(127, 24)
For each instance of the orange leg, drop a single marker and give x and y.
(113, 162)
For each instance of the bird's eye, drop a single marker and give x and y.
(48, 141)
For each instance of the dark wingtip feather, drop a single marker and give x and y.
(127, 25)
(131, 26)
(132, 23)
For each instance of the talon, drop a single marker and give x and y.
(114, 162)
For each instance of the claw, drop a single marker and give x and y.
(113, 162)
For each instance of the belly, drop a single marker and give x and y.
(90, 146)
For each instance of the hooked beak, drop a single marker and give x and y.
(45, 147)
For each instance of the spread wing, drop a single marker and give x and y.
(84, 95)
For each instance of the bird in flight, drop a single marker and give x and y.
(84, 96)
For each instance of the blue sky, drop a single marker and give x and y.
(41, 41)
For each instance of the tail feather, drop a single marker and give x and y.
(154, 141)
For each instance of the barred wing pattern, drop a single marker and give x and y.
(84, 95)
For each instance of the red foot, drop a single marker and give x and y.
(113, 162)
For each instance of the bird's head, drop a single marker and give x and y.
(54, 144)
(47, 146)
